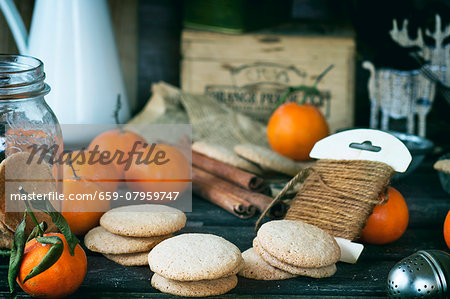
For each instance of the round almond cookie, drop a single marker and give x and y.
(100, 240)
(442, 165)
(191, 257)
(27, 171)
(298, 244)
(129, 259)
(256, 268)
(200, 288)
(6, 236)
(145, 220)
(320, 272)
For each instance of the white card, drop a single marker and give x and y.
(347, 145)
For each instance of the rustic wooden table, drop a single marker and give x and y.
(428, 204)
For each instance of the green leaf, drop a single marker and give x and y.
(60, 222)
(321, 75)
(63, 226)
(30, 212)
(5, 252)
(15, 259)
(37, 229)
(308, 91)
(50, 258)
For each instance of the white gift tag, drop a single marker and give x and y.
(362, 144)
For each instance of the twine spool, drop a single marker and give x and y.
(338, 195)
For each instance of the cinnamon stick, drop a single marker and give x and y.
(230, 173)
(238, 201)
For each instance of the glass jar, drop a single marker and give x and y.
(26, 121)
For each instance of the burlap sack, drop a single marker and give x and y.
(211, 121)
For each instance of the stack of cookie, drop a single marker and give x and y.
(27, 171)
(285, 248)
(195, 265)
(127, 234)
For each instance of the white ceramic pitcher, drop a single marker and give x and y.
(75, 40)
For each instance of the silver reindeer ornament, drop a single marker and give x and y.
(405, 94)
(399, 95)
(436, 55)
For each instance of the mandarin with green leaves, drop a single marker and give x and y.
(62, 279)
(294, 127)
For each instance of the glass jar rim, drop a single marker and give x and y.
(21, 77)
(32, 62)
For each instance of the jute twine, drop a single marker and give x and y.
(338, 195)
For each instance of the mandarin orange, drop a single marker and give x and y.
(104, 174)
(171, 176)
(119, 143)
(293, 130)
(82, 207)
(447, 229)
(388, 221)
(61, 279)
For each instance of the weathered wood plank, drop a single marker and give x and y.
(140, 295)
(367, 277)
(124, 17)
(423, 182)
(106, 279)
(159, 44)
(7, 43)
(263, 45)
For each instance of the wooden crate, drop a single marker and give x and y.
(249, 72)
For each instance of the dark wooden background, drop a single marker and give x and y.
(159, 43)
